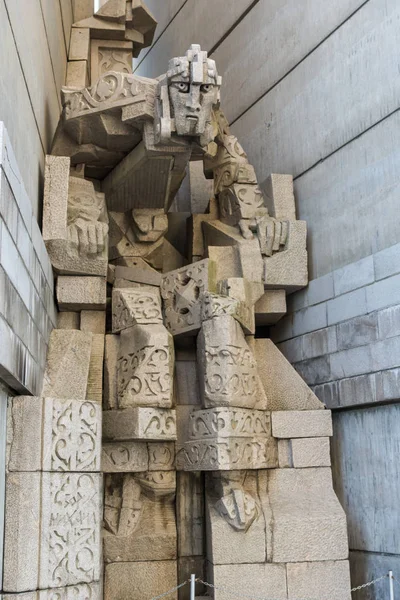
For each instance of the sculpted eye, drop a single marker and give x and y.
(206, 87)
(182, 87)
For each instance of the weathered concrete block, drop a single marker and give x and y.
(249, 579)
(315, 370)
(270, 307)
(139, 423)
(389, 322)
(387, 262)
(137, 580)
(181, 291)
(55, 197)
(22, 532)
(71, 503)
(135, 306)
(235, 524)
(284, 388)
(307, 521)
(279, 197)
(304, 452)
(356, 391)
(383, 293)
(81, 293)
(49, 434)
(145, 367)
(328, 580)
(92, 320)
(79, 44)
(139, 517)
(77, 74)
(319, 343)
(309, 319)
(228, 373)
(288, 269)
(301, 423)
(94, 389)
(68, 320)
(141, 274)
(67, 366)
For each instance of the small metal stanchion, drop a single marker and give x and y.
(391, 588)
(193, 586)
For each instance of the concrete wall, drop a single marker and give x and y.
(312, 89)
(34, 40)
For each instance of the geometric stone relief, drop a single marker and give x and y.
(182, 291)
(214, 305)
(64, 435)
(134, 457)
(135, 306)
(227, 367)
(70, 529)
(145, 367)
(139, 423)
(139, 517)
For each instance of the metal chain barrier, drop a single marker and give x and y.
(236, 595)
(364, 585)
(171, 590)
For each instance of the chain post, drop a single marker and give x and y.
(391, 587)
(193, 587)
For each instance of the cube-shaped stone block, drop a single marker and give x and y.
(228, 374)
(135, 306)
(81, 293)
(214, 305)
(304, 452)
(181, 291)
(145, 367)
(288, 269)
(50, 434)
(139, 423)
(67, 366)
(270, 307)
(308, 523)
(260, 580)
(301, 423)
(70, 529)
(138, 580)
(328, 580)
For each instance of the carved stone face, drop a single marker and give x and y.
(192, 105)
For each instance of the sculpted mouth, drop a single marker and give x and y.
(192, 118)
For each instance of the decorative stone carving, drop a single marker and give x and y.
(149, 224)
(135, 306)
(109, 55)
(214, 305)
(227, 367)
(181, 291)
(139, 423)
(135, 457)
(140, 517)
(83, 591)
(235, 505)
(229, 422)
(76, 235)
(145, 367)
(70, 529)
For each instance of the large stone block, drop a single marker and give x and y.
(279, 196)
(135, 457)
(301, 423)
(235, 523)
(75, 221)
(253, 580)
(270, 307)
(135, 306)
(328, 580)
(227, 368)
(304, 452)
(138, 580)
(93, 320)
(81, 293)
(181, 291)
(22, 532)
(70, 529)
(139, 517)
(68, 320)
(67, 366)
(288, 269)
(305, 522)
(139, 423)
(214, 305)
(284, 387)
(145, 367)
(49, 434)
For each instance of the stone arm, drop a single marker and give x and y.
(236, 189)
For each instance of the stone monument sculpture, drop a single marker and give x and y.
(215, 453)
